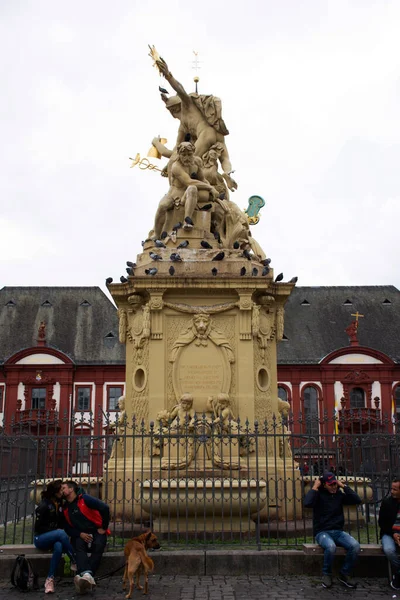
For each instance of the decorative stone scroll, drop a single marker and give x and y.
(204, 309)
(245, 305)
(138, 332)
(156, 305)
(263, 322)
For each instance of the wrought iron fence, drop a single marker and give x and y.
(199, 482)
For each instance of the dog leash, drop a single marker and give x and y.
(111, 573)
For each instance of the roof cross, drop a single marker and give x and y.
(357, 315)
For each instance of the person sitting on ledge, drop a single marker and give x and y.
(86, 522)
(327, 498)
(48, 534)
(389, 522)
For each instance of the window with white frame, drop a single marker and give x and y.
(113, 395)
(83, 395)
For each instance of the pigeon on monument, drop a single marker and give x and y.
(151, 271)
(189, 221)
(294, 280)
(177, 226)
(266, 262)
(205, 245)
(206, 207)
(175, 257)
(214, 271)
(242, 271)
(254, 272)
(154, 256)
(163, 235)
(129, 270)
(131, 264)
(247, 254)
(236, 245)
(217, 237)
(123, 279)
(159, 244)
(163, 90)
(184, 244)
(279, 277)
(109, 280)
(171, 270)
(265, 271)
(219, 256)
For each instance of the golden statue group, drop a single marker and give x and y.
(201, 315)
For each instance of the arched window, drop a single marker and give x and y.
(357, 398)
(282, 393)
(396, 396)
(310, 400)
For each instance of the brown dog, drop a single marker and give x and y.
(137, 561)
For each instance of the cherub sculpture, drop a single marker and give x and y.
(224, 417)
(182, 416)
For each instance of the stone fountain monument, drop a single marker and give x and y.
(200, 315)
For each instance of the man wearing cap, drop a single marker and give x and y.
(389, 522)
(327, 498)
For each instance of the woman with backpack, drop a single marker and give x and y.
(47, 533)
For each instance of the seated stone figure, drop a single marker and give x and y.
(188, 186)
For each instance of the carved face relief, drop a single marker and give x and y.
(201, 323)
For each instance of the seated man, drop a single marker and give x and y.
(86, 522)
(188, 186)
(327, 498)
(389, 522)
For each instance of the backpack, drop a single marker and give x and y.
(23, 576)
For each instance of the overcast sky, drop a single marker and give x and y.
(311, 96)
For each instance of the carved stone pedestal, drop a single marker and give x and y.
(201, 367)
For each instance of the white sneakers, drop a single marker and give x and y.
(84, 583)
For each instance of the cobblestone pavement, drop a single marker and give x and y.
(218, 588)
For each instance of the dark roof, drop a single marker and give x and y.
(78, 323)
(316, 319)
(315, 322)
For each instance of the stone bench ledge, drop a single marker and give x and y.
(366, 549)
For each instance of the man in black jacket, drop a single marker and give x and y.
(86, 521)
(389, 522)
(327, 498)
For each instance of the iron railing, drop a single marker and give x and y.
(200, 483)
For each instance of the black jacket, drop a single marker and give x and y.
(46, 517)
(387, 515)
(328, 508)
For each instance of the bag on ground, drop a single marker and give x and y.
(23, 576)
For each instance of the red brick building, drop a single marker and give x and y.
(60, 353)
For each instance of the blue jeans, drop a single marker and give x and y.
(392, 552)
(328, 540)
(59, 542)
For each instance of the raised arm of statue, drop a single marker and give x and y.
(161, 148)
(178, 87)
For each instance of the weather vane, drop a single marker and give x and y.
(196, 67)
